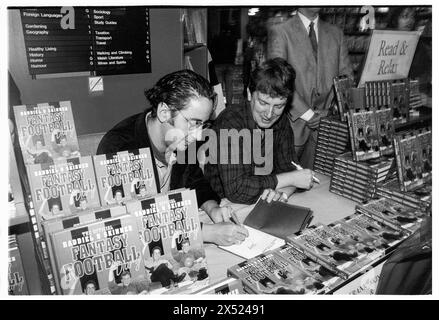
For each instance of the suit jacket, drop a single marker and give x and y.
(290, 41)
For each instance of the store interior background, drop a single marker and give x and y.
(234, 37)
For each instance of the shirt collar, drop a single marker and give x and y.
(154, 150)
(307, 21)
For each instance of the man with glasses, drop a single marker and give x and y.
(270, 90)
(181, 103)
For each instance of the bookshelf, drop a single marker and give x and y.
(195, 52)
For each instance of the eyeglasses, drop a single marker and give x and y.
(195, 123)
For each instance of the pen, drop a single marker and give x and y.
(234, 218)
(299, 167)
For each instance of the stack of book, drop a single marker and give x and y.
(358, 180)
(320, 259)
(419, 198)
(393, 214)
(332, 140)
(415, 95)
(16, 276)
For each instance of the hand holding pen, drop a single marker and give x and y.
(299, 167)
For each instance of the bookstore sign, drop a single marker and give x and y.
(389, 56)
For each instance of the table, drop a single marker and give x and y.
(327, 207)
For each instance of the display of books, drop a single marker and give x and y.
(17, 279)
(321, 251)
(393, 214)
(378, 94)
(74, 220)
(170, 232)
(46, 132)
(328, 278)
(413, 154)
(364, 135)
(125, 175)
(419, 198)
(386, 238)
(358, 180)
(332, 140)
(87, 254)
(269, 273)
(62, 188)
(349, 246)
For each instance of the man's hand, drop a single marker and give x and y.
(224, 233)
(220, 214)
(274, 195)
(302, 178)
(313, 123)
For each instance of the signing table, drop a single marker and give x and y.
(327, 207)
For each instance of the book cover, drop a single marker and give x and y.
(46, 132)
(320, 251)
(393, 214)
(363, 242)
(386, 237)
(400, 100)
(342, 84)
(172, 241)
(271, 274)
(364, 135)
(66, 222)
(125, 175)
(386, 130)
(425, 154)
(328, 278)
(64, 187)
(254, 277)
(408, 162)
(17, 285)
(100, 253)
(351, 249)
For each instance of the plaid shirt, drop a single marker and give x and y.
(238, 182)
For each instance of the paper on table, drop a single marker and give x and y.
(256, 243)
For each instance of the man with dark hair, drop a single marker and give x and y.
(182, 103)
(270, 90)
(318, 52)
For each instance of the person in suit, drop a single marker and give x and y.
(318, 53)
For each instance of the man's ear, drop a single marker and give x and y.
(249, 95)
(163, 112)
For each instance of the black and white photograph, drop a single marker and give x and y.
(160, 150)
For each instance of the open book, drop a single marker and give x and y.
(268, 225)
